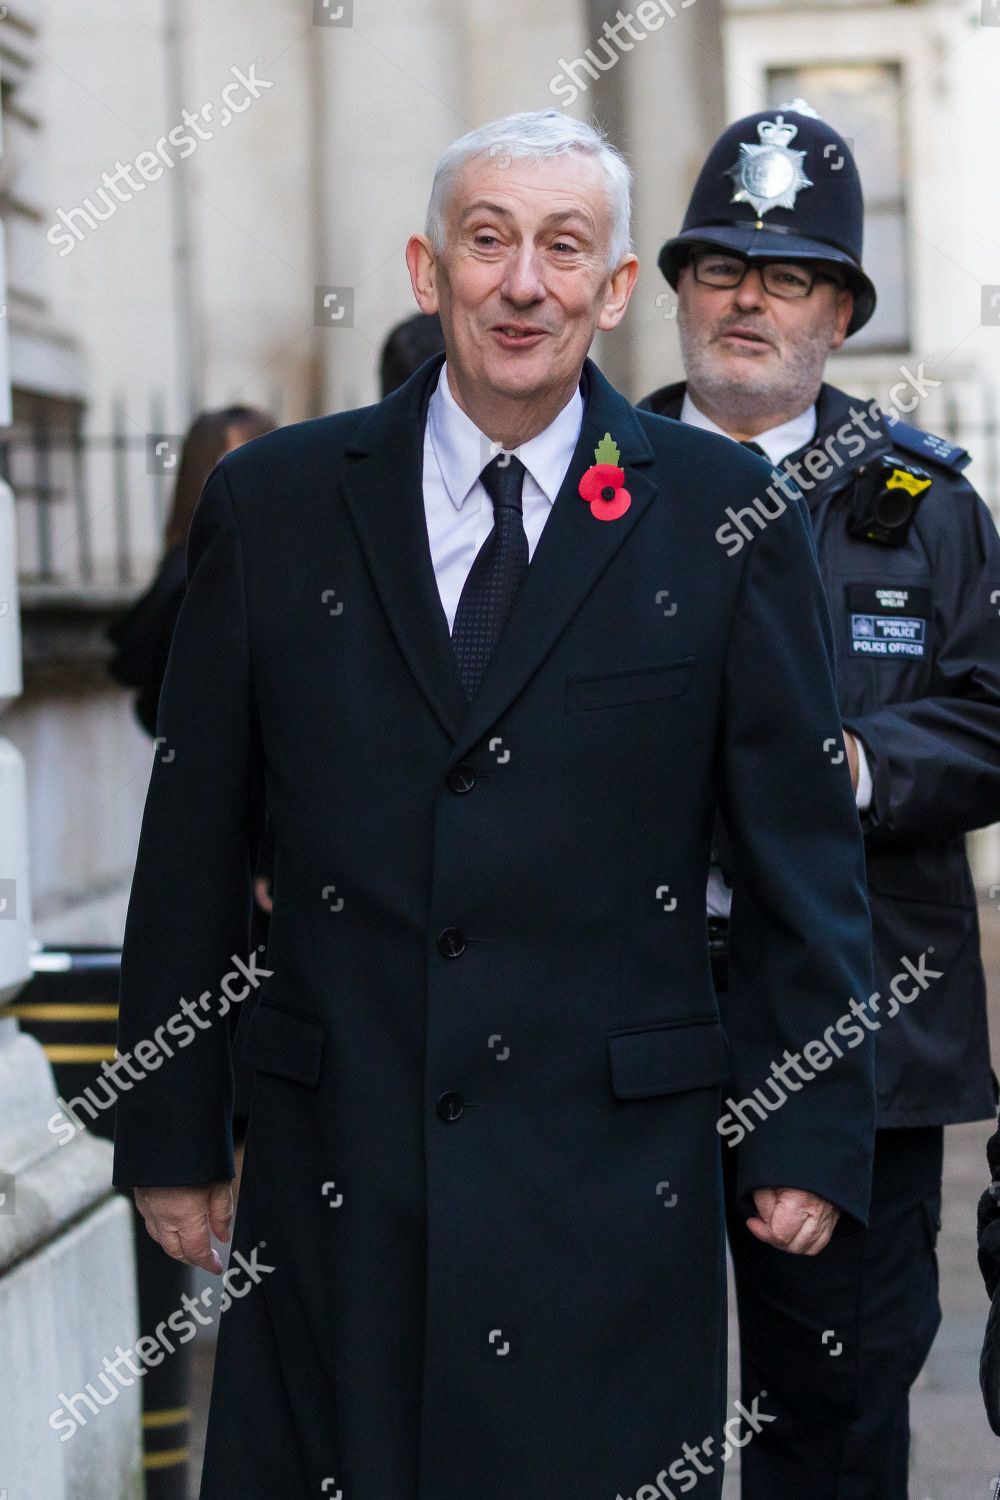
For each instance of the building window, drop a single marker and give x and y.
(863, 102)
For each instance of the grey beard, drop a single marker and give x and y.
(784, 389)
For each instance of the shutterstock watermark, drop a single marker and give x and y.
(647, 17)
(151, 1053)
(130, 178)
(151, 1350)
(686, 1470)
(822, 461)
(789, 1076)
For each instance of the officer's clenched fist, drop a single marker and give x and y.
(792, 1219)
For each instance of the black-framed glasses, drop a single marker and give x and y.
(780, 278)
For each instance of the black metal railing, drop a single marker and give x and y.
(90, 507)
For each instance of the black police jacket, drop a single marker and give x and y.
(929, 720)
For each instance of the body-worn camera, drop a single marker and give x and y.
(887, 494)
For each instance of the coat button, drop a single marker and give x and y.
(451, 942)
(450, 1106)
(462, 778)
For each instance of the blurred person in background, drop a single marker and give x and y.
(142, 635)
(409, 344)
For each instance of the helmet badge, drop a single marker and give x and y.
(770, 175)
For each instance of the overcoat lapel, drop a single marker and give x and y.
(384, 493)
(572, 552)
(385, 496)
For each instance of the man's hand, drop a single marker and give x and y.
(792, 1219)
(179, 1219)
(854, 764)
(262, 893)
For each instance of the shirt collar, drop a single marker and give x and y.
(462, 451)
(778, 442)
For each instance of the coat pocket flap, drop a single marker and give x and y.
(938, 875)
(280, 1041)
(637, 685)
(668, 1059)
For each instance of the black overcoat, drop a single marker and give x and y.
(483, 1162)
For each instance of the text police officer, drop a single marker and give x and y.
(768, 275)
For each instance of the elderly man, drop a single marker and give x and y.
(767, 269)
(480, 654)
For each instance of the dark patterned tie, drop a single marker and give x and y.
(495, 576)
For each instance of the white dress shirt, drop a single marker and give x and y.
(459, 512)
(777, 442)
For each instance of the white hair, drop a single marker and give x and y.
(536, 134)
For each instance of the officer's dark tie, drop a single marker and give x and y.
(754, 447)
(495, 576)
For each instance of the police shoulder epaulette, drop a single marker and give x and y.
(926, 446)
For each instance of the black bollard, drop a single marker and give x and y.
(71, 1007)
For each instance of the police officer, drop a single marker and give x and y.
(768, 275)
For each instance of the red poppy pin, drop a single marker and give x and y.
(603, 485)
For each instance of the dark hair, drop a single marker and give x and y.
(408, 346)
(210, 435)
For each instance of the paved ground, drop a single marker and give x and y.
(955, 1455)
